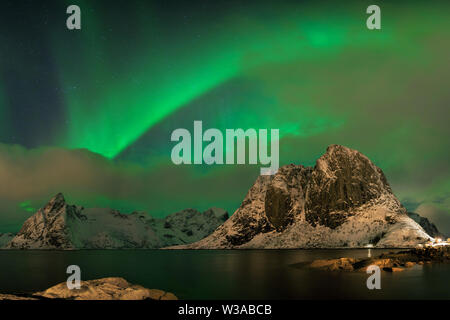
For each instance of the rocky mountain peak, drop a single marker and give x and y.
(55, 204)
(340, 162)
(47, 227)
(343, 201)
(342, 179)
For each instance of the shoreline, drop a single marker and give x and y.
(389, 262)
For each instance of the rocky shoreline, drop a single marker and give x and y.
(389, 262)
(99, 289)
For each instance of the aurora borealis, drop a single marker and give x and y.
(90, 112)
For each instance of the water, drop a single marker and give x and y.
(234, 274)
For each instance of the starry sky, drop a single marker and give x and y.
(89, 112)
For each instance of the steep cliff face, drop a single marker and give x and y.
(343, 201)
(343, 179)
(62, 226)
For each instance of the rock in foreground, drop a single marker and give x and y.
(100, 289)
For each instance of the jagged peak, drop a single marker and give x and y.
(59, 196)
(337, 147)
(337, 157)
(336, 151)
(343, 201)
(55, 203)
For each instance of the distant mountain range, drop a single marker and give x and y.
(344, 201)
(61, 226)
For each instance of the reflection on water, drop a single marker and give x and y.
(233, 274)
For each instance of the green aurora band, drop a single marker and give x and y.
(116, 107)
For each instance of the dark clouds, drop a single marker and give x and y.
(88, 179)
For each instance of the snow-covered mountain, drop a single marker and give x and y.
(343, 201)
(62, 226)
(426, 224)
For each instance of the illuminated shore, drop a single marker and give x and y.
(390, 262)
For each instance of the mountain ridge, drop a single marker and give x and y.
(426, 224)
(59, 225)
(344, 201)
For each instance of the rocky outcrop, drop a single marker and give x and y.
(426, 224)
(334, 264)
(59, 225)
(390, 262)
(100, 289)
(343, 201)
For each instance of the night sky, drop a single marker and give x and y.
(89, 113)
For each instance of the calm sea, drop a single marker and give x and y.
(209, 274)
